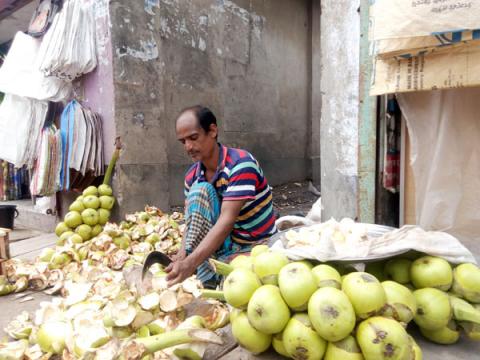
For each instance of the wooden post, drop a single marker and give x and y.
(4, 247)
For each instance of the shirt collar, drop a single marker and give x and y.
(200, 171)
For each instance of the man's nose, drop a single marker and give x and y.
(188, 145)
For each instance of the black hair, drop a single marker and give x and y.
(204, 116)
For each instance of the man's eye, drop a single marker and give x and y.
(193, 138)
(182, 141)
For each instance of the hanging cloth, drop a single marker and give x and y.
(68, 49)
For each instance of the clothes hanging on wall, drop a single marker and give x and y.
(46, 172)
(20, 76)
(21, 122)
(68, 49)
(82, 146)
(391, 148)
(13, 182)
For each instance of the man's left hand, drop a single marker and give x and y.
(179, 270)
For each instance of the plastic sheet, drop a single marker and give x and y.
(82, 146)
(68, 48)
(444, 129)
(19, 76)
(21, 122)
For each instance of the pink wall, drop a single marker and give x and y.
(98, 93)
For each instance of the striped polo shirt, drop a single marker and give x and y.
(239, 177)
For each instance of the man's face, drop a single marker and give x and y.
(198, 144)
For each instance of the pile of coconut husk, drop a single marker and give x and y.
(102, 309)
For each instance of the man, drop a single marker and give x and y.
(228, 206)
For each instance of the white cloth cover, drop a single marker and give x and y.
(68, 48)
(19, 76)
(21, 122)
(444, 129)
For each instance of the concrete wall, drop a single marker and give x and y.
(315, 90)
(340, 45)
(246, 59)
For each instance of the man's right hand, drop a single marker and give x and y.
(180, 255)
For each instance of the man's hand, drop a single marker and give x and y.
(180, 255)
(179, 270)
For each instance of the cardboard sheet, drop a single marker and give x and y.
(410, 18)
(457, 68)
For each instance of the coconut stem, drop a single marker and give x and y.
(6, 289)
(175, 337)
(221, 268)
(116, 153)
(213, 294)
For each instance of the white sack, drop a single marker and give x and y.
(329, 247)
(19, 76)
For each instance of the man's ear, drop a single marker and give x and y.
(213, 131)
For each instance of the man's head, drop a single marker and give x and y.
(196, 129)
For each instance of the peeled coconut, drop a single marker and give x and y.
(416, 351)
(346, 349)
(398, 270)
(431, 271)
(327, 276)
(470, 329)
(277, 343)
(306, 263)
(267, 265)
(61, 228)
(433, 308)
(376, 269)
(446, 335)
(365, 293)
(381, 338)
(91, 190)
(301, 341)
(401, 304)
(464, 311)
(242, 261)
(247, 336)
(51, 336)
(466, 282)
(267, 311)
(297, 284)
(331, 313)
(239, 287)
(258, 249)
(344, 269)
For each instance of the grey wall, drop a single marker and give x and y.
(315, 90)
(340, 46)
(247, 60)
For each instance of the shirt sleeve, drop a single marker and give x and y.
(243, 181)
(189, 179)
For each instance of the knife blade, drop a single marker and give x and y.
(155, 257)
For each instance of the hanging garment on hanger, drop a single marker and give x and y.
(21, 122)
(68, 49)
(82, 145)
(45, 179)
(19, 75)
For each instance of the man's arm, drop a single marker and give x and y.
(180, 270)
